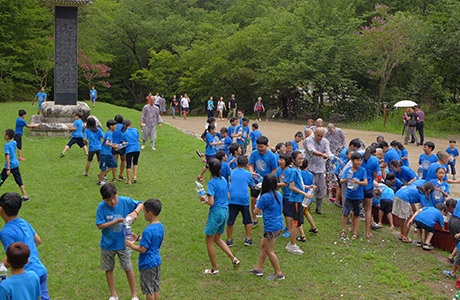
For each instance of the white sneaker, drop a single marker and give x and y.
(143, 147)
(294, 249)
(135, 298)
(153, 148)
(113, 298)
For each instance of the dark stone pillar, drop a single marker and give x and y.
(65, 56)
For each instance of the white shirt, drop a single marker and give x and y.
(220, 105)
(184, 102)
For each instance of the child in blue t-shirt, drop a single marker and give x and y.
(289, 147)
(93, 95)
(307, 178)
(243, 131)
(235, 152)
(271, 205)
(149, 250)
(405, 174)
(77, 135)
(118, 138)
(441, 188)
(24, 285)
(19, 131)
(108, 162)
(393, 182)
(443, 159)
(425, 219)
(255, 133)
(225, 168)
(297, 139)
(426, 159)
(12, 164)
(133, 150)
(283, 174)
(110, 215)
(227, 141)
(453, 154)
(355, 179)
(212, 140)
(232, 133)
(18, 230)
(241, 181)
(386, 195)
(42, 97)
(217, 199)
(92, 137)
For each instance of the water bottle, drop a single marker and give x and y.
(3, 272)
(258, 181)
(350, 184)
(200, 190)
(128, 232)
(420, 172)
(128, 221)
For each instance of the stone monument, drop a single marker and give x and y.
(59, 114)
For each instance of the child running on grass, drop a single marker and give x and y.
(425, 219)
(12, 164)
(241, 180)
(19, 131)
(307, 178)
(111, 212)
(77, 135)
(149, 250)
(93, 136)
(217, 199)
(133, 149)
(283, 174)
(271, 204)
(107, 160)
(355, 178)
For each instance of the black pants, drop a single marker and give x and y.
(420, 132)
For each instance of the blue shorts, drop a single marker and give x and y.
(107, 162)
(217, 219)
(234, 209)
(40, 104)
(44, 286)
(287, 210)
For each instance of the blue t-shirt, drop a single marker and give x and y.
(405, 175)
(272, 208)
(113, 237)
(360, 175)
(233, 164)
(218, 188)
(296, 177)
(411, 195)
(25, 286)
(457, 210)
(284, 176)
(210, 105)
(343, 156)
(452, 153)
(431, 174)
(253, 136)
(210, 149)
(117, 135)
(78, 132)
(244, 134)
(19, 230)
(425, 162)
(20, 124)
(152, 238)
(225, 171)
(404, 153)
(227, 142)
(387, 194)
(430, 216)
(94, 139)
(10, 148)
(371, 166)
(241, 180)
(437, 197)
(93, 94)
(418, 182)
(390, 155)
(106, 150)
(263, 164)
(231, 130)
(295, 146)
(307, 177)
(41, 97)
(131, 135)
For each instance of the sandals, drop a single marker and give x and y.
(314, 230)
(236, 263)
(301, 238)
(135, 180)
(406, 240)
(354, 236)
(343, 234)
(211, 272)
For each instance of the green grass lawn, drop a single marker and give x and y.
(63, 210)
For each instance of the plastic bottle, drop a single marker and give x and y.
(258, 181)
(128, 221)
(349, 177)
(3, 272)
(128, 233)
(199, 189)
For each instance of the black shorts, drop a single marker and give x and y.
(297, 213)
(16, 175)
(234, 209)
(120, 152)
(421, 225)
(287, 210)
(386, 205)
(91, 155)
(369, 194)
(132, 158)
(74, 140)
(208, 158)
(351, 205)
(254, 192)
(185, 109)
(18, 139)
(454, 227)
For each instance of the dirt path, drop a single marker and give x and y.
(282, 132)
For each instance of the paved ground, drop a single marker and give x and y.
(282, 132)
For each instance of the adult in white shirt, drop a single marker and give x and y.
(185, 103)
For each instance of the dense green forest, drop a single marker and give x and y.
(300, 56)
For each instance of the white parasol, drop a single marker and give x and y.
(405, 103)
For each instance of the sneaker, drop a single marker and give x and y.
(198, 153)
(135, 298)
(428, 247)
(319, 212)
(248, 242)
(100, 183)
(235, 263)
(453, 178)
(258, 273)
(293, 248)
(25, 199)
(286, 235)
(153, 148)
(276, 277)
(200, 178)
(113, 298)
(85, 174)
(229, 242)
(285, 229)
(254, 224)
(143, 147)
(449, 274)
(61, 155)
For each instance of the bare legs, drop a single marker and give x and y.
(266, 250)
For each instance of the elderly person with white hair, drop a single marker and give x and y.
(336, 138)
(319, 123)
(317, 152)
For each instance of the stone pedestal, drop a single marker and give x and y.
(55, 118)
